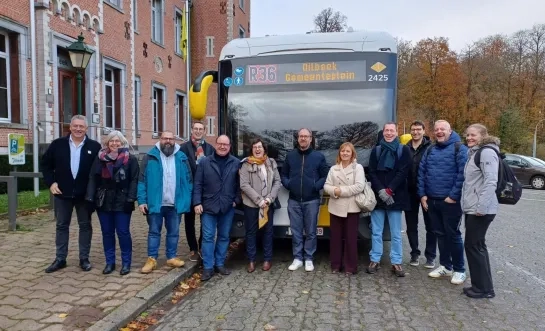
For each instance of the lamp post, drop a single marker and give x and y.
(534, 149)
(80, 54)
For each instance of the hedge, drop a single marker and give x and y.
(23, 184)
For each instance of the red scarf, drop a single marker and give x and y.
(113, 160)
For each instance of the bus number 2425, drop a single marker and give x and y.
(377, 78)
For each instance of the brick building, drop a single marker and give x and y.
(136, 79)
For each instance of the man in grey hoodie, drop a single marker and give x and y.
(480, 206)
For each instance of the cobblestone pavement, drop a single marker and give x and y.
(30, 299)
(281, 299)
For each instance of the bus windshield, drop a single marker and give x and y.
(344, 106)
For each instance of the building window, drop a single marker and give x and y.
(135, 15)
(137, 94)
(179, 110)
(10, 78)
(5, 113)
(157, 21)
(241, 32)
(210, 127)
(209, 46)
(241, 4)
(178, 33)
(112, 97)
(158, 97)
(116, 3)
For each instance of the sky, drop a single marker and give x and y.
(461, 21)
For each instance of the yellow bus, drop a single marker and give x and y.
(340, 85)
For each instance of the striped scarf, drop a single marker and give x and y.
(112, 161)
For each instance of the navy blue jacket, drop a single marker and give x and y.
(441, 172)
(416, 155)
(395, 179)
(304, 174)
(216, 191)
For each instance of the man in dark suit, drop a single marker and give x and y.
(66, 166)
(195, 149)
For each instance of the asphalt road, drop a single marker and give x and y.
(281, 299)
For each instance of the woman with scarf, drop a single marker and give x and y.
(112, 192)
(389, 165)
(345, 180)
(259, 183)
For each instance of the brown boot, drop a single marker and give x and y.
(398, 270)
(175, 263)
(151, 264)
(266, 266)
(251, 267)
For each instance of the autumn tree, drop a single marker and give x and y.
(329, 20)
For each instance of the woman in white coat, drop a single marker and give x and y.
(344, 181)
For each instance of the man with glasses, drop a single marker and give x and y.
(217, 192)
(303, 175)
(196, 150)
(164, 192)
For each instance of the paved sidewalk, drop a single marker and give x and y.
(69, 299)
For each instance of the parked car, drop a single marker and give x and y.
(538, 160)
(528, 170)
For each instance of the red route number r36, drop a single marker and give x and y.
(262, 74)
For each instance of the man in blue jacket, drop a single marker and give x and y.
(217, 192)
(440, 180)
(303, 175)
(164, 192)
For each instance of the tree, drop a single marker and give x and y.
(330, 21)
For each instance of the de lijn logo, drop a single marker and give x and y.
(228, 81)
(239, 71)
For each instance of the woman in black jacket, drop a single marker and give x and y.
(112, 191)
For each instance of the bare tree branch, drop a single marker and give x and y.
(329, 20)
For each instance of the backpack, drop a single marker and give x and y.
(399, 151)
(456, 149)
(508, 190)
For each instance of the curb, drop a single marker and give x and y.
(128, 311)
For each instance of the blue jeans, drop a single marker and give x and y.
(213, 255)
(445, 221)
(172, 225)
(110, 223)
(303, 215)
(251, 223)
(377, 227)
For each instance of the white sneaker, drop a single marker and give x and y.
(458, 278)
(440, 272)
(295, 265)
(309, 266)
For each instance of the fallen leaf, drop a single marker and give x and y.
(63, 315)
(184, 286)
(124, 329)
(339, 302)
(144, 314)
(220, 317)
(132, 326)
(269, 327)
(305, 292)
(174, 302)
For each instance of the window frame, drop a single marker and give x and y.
(210, 46)
(182, 114)
(108, 63)
(241, 29)
(118, 3)
(109, 84)
(241, 5)
(137, 94)
(210, 126)
(160, 122)
(135, 15)
(6, 56)
(177, 31)
(154, 25)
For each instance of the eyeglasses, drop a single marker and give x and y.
(257, 147)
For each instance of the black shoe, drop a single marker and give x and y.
(85, 264)
(223, 271)
(207, 274)
(480, 295)
(56, 265)
(467, 289)
(108, 269)
(125, 269)
(373, 268)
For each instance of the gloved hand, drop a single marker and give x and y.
(128, 207)
(91, 206)
(389, 201)
(383, 195)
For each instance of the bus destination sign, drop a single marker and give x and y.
(308, 72)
